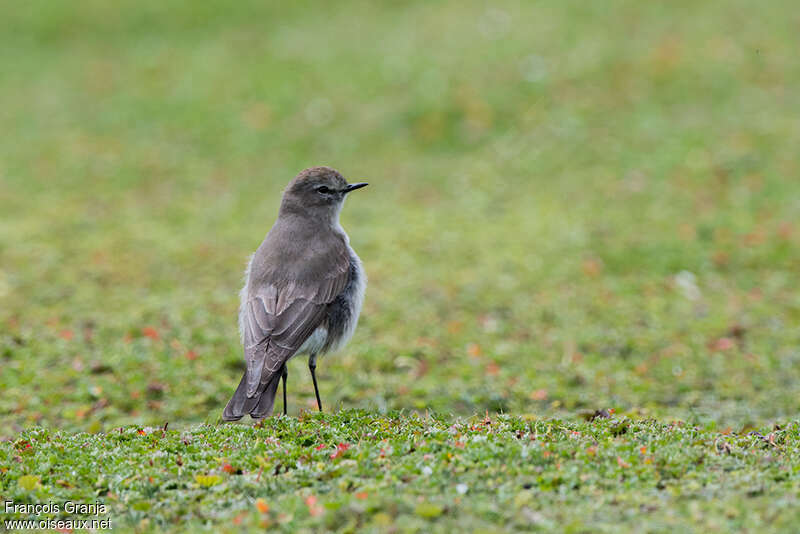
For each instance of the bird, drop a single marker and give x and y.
(303, 292)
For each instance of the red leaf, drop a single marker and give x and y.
(339, 450)
(149, 331)
(262, 506)
(66, 334)
(722, 344)
(474, 350)
(23, 445)
(539, 394)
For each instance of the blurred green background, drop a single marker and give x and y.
(573, 205)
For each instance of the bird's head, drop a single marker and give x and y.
(318, 192)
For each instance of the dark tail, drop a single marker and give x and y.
(258, 406)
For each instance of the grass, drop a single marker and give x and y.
(355, 471)
(572, 208)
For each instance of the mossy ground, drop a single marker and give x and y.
(357, 471)
(573, 207)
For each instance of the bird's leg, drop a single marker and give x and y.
(284, 374)
(312, 366)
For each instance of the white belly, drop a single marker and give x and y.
(315, 342)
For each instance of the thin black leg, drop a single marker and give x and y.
(312, 366)
(284, 374)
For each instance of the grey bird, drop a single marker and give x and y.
(303, 291)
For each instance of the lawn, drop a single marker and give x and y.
(357, 471)
(573, 207)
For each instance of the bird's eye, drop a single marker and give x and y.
(324, 190)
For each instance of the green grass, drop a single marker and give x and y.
(573, 206)
(355, 471)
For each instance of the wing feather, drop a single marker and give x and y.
(279, 317)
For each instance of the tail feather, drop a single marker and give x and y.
(258, 406)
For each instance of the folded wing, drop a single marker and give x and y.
(279, 317)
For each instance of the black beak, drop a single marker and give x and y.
(353, 187)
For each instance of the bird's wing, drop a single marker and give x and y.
(278, 318)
